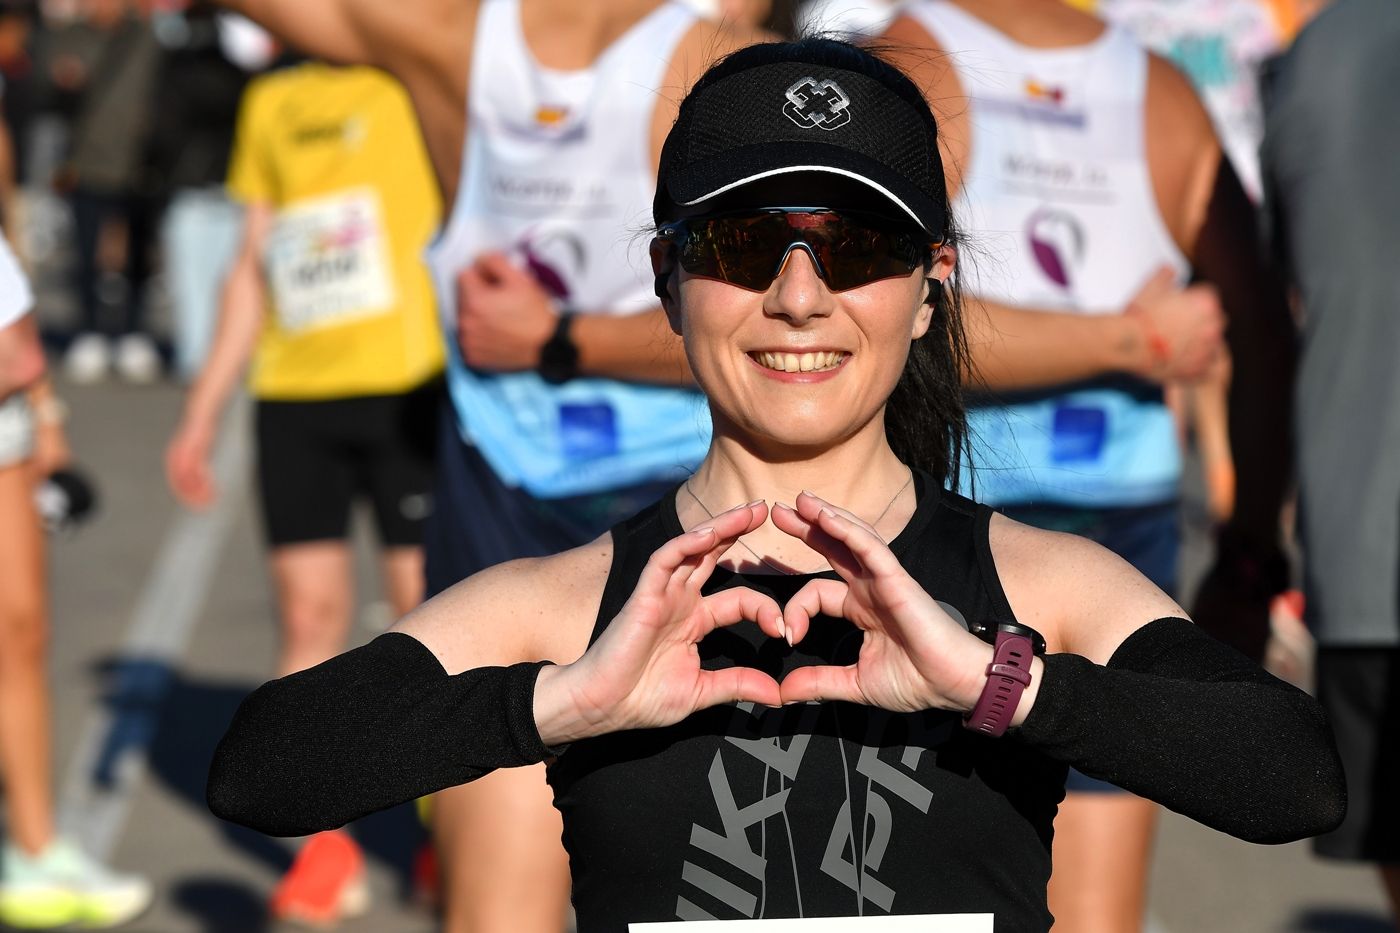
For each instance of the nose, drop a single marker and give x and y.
(798, 294)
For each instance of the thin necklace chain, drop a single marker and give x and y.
(781, 570)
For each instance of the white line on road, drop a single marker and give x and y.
(110, 760)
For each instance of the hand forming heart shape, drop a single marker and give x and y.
(644, 670)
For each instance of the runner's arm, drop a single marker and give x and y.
(637, 347)
(241, 310)
(1134, 694)
(443, 698)
(21, 357)
(1019, 348)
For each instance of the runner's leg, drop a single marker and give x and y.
(315, 589)
(402, 569)
(1390, 875)
(504, 867)
(1103, 835)
(1102, 845)
(26, 764)
(502, 864)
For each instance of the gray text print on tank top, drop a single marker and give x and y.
(890, 784)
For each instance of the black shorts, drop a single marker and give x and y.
(479, 521)
(1360, 690)
(316, 458)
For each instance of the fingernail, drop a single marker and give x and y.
(755, 502)
(703, 532)
(829, 512)
(809, 493)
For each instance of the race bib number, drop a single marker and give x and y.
(327, 262)
(921, 923)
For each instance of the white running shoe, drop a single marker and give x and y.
(137, 360)
(63, 886)
(88, 359)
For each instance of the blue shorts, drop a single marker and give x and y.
(1148, 537)
(478, 521)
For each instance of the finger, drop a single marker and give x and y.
(757, 514)
(817, 597)
(469, 282)
(738, 604)
(869, 549)
(737, 685)
(789, 521)
(1158, 283)
(821, 682)
(497, 268)
(823, 504)
(686, 550)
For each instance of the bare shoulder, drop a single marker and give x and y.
(1182, 150)
(1081, 596)
(522, 610)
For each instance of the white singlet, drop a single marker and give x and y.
(16, 298)
(1062, 215)
(557, 172)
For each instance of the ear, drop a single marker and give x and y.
(923, 314)
(663, 266)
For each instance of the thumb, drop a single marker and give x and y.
(496, 268)
(1158, 283)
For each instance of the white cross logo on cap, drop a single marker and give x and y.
(817, 103)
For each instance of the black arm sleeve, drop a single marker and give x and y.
(1184, 720)
(374, 727)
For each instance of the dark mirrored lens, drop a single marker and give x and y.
(743, 251)
(747, 250)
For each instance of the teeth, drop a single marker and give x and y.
(799, 362)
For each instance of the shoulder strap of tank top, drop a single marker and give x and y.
(641, 56)
(953, 551)
(1123, 57)
(634, 541)
(982, 541)
(977, 51)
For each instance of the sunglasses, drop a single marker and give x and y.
(749, 248)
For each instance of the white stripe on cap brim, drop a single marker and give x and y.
(787, 169)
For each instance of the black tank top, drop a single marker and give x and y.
(814, 810)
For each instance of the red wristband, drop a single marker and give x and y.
(1008, 676)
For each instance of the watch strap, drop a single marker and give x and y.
(559, 355)
(1008, 676)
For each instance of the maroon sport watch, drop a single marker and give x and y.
(1008, 675)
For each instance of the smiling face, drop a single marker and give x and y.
(799, 367)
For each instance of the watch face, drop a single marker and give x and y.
(987, 630)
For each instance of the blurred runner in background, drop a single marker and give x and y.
(1092, 176)
(191, 135)
(109, 62)
(1332, 131)
(330, 299)
(544, 120)
(46, 881)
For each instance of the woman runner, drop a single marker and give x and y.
(859, 704)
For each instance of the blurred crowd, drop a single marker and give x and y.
(143, 191)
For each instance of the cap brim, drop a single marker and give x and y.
(714, 177)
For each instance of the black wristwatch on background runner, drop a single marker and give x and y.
(559, 355)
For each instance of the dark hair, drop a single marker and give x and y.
(925, 419)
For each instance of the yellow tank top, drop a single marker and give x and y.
(337, 153)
